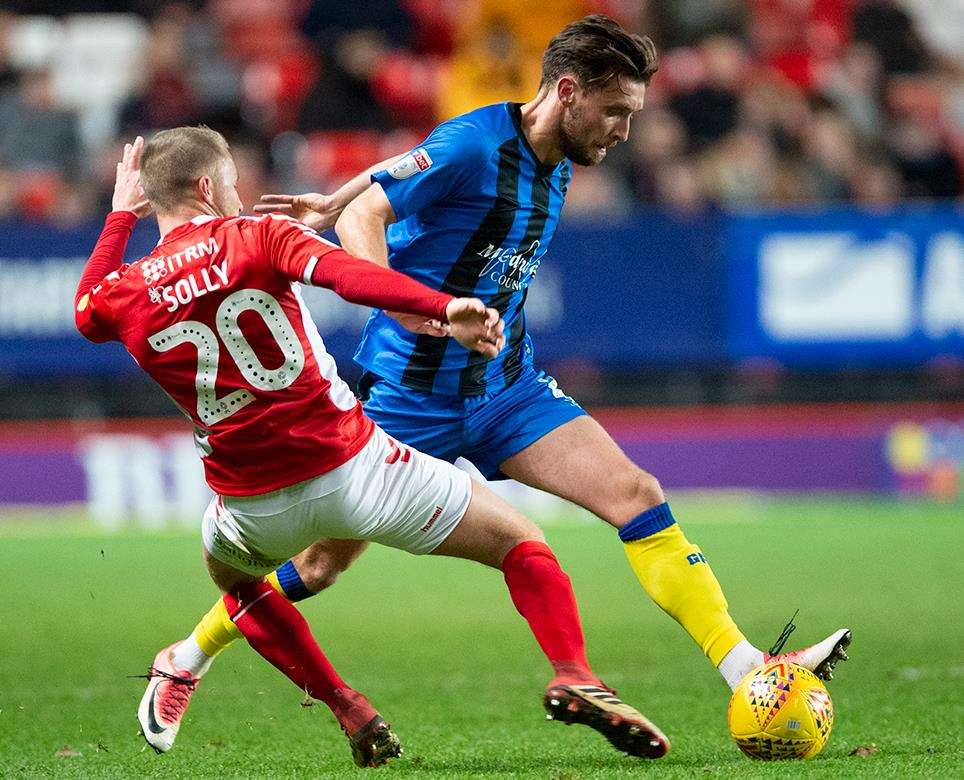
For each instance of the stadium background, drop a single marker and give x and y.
(760, 295)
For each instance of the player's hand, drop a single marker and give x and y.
(476, 327)
(128, 193)
(317, 211)
(418, 324)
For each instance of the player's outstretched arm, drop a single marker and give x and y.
(317, 210)
(301, 255)
(467, 320)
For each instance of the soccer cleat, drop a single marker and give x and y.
(820, 658)
(600, 709)
(168, 693)
(374, 743)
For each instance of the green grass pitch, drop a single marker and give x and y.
(438, 647)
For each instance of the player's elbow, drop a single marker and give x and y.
(82, 318)
(344, 223)
(371, 209)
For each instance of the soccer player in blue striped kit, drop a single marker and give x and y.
(471, 212)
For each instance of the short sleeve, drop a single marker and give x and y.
(446, 161)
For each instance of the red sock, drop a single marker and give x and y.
(542, 593)
(275, 628)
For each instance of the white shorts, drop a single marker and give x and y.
(388, 493)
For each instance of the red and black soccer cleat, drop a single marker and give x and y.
(601, 709)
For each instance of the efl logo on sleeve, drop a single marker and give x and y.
(410, 164)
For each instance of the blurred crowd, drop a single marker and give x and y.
(757, 102)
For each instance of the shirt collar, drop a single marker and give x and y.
(515, 114)
(185, 227)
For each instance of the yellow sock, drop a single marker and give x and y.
(216, 630)
(677, 577)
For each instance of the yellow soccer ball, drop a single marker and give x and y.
(780, 711)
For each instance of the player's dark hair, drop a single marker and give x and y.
(173, 160)
(597, 50)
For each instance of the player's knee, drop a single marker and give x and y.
(319, 574)
(638, 491)
(522, 530)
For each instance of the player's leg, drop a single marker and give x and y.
(580, 462)
(493, 533)
(402, 413)
(428, 423)
(274, 627)
(497, 535)
(276, 630)
(536, 434)
(305, 575)
(406, 499)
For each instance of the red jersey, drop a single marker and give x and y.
(215, 316)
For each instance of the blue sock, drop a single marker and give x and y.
(291, 582)
(652, 521)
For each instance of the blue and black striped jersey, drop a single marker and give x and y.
(476, 212)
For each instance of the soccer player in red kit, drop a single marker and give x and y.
(215, 316)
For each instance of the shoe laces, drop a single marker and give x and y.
(174, 693)
(781, 642)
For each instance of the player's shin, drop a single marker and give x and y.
(542, 593)
(678, 578)
(216, 630)
(278, 632)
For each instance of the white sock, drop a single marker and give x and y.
(189, 656)
(740, 660)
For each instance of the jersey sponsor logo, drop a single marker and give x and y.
(156, 268)
(194, 285)
(410, 164)
(508, 267)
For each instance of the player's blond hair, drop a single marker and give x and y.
(173, 160)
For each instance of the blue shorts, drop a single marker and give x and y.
(485, 429)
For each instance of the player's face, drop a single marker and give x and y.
(599, 119)
(227, 201)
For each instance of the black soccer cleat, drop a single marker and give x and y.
(825, 668)
(374, 743)
(600, 709)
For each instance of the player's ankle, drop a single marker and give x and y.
(738, 662)
(351, 709)
(189, 657)
(573, 673)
